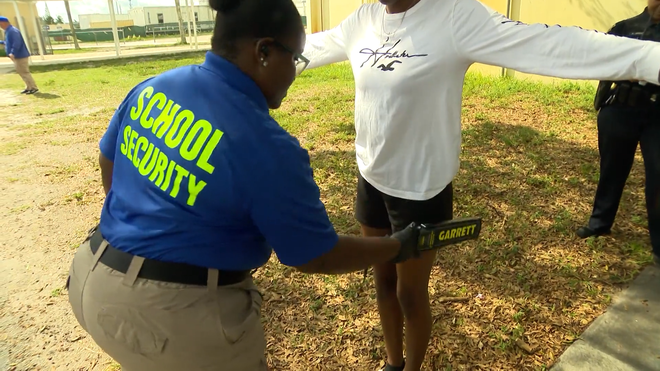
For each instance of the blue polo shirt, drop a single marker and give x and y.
(14, 43)
(203, 175)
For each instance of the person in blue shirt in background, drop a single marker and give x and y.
(201, 182)
(18, 52)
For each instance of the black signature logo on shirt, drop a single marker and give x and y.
(519, 23)
(377, 55)
(389, 67)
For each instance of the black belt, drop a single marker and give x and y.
(162, 271)
(635, 95)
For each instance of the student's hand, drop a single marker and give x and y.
(409, 239)
(11, 56)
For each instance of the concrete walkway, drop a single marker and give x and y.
(6, 65)
(626, 337)
(146, 41)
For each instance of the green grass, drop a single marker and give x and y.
(56, 292)
(529, 169)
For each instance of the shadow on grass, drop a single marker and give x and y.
(527, 276)
(47, 96)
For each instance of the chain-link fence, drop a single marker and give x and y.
(172, 23)
(177, 24)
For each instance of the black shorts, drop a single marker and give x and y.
(375, 209)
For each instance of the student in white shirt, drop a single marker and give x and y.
(409, 59)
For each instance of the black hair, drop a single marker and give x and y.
(245, 19)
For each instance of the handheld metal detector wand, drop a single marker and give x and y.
(451, 232)
(435, 236)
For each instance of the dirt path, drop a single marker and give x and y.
(48, 202)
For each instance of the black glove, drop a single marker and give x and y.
(409, 239)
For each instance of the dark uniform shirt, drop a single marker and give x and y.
(638, 27)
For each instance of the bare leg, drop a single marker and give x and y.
(391, 316)
(412, 291)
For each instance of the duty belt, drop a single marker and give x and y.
(634, 95)
(162, 271)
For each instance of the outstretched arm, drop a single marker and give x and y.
(482, 35)
(293, 220)
(323, 48)
(327, 47)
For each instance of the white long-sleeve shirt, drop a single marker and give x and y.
(408, 86)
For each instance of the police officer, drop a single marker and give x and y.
(629, 113)
(200, 183)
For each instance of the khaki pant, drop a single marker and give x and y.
(23, 69)
(156, 326)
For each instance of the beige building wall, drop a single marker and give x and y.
(108, 24)
(87, 20)
(56, 27)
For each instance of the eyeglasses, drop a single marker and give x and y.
(300, 60)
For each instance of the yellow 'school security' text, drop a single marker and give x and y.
(195, 141)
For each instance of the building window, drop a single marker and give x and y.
(148, 18)
(196, 17)
(160, 18)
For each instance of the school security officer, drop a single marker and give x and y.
(629, 114)
(200, 183)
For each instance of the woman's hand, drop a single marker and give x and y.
(409, 239)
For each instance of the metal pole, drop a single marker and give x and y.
(305, 14)
(21, 25)
(513, 13)
(113, 19)
(71, 27)
(189, 31)
(192, 5)
(37, 32)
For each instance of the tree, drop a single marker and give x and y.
(71, 24)
(47, 19)
(59, 20)
(178, 14)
